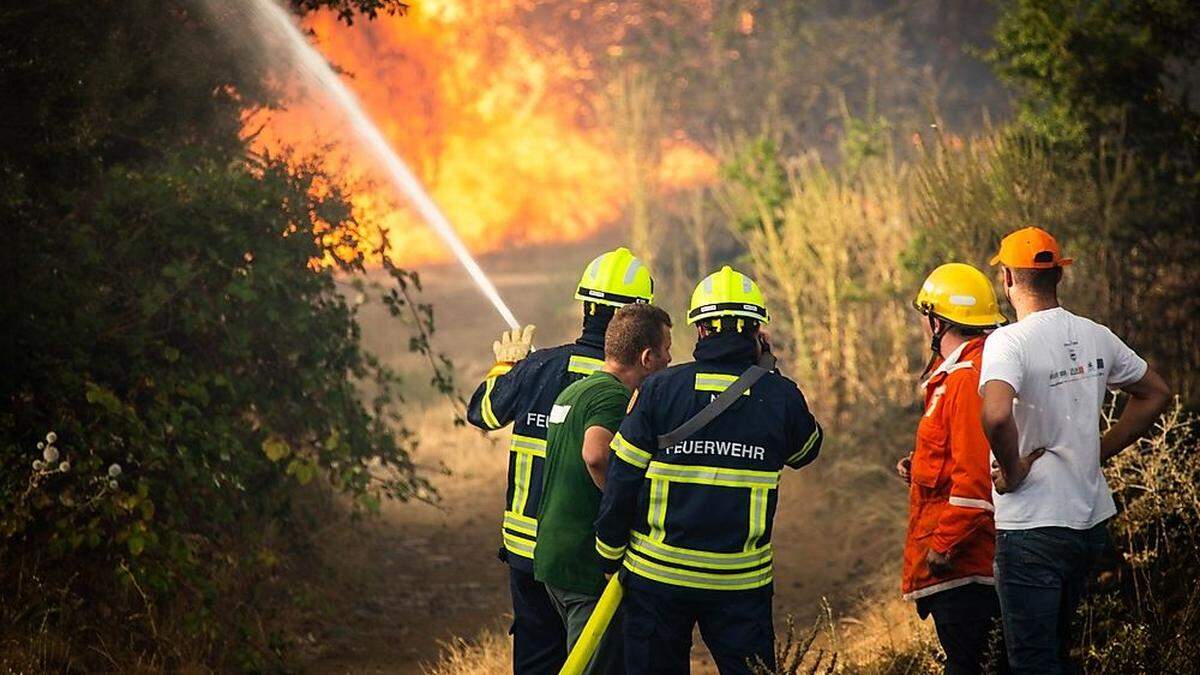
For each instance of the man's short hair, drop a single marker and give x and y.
(1041, 281)
(634, 328)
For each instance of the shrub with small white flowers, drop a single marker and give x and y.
(182, 349)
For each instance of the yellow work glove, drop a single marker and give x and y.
(514, 345)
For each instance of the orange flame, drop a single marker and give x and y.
(494, 126)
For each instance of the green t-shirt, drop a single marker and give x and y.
(566, 556)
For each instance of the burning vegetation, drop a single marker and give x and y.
(189, 308)
(501, 128)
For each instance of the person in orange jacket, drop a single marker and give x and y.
(949, 549)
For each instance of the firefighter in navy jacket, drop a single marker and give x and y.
(520, 390)
(690, 524)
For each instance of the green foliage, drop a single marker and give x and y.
(1108, 87)
(175, 339)
(1086, 68)
(757, 183)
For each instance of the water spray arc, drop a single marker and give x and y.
(273, 19)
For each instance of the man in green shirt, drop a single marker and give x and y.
(583, 421)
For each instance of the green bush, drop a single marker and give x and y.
(178, 358)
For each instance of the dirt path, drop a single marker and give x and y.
(430, 574)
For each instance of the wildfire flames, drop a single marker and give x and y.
(499, 130)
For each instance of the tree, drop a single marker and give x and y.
(1112, 83)
(177, 357)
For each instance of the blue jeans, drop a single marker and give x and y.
(1041, 576)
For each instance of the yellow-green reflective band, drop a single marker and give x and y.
(610, 552)
(485, 408)
(629, 452)
(528, 445)
(713, 475)
(696, 558)
(758, 517)
(520, 523)
(808, 445)
(694, 579)
(584, 365)
(717, 382)
(522, 473)
(657, 515)
(519, 546)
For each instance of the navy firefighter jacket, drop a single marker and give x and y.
(695, 518)
(523, 397)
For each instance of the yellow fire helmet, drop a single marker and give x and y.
(961, 295)
(616, 278)
(727, 292)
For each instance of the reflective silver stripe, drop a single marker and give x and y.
(694, 579)
(758, 517)
(713, 475)
(528, 445)
(631, 271)
(522, 477)
(697, 558)
(717, 382)
(629, 452)
(947, 585)
(971, 503)
(515, 544)
(808, 445)
(520, 523)
(584, 365)
(610, 552)
(485, 406)
(657, 515)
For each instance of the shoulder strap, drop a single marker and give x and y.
(719, 404)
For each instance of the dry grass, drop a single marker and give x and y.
(830, 263)
(884, 636)
(489, 653)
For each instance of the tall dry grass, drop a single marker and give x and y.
(828, 261)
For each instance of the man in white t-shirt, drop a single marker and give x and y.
(1043, 383)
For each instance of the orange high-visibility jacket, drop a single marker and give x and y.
(950, 499)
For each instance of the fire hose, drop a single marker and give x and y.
(597, 624)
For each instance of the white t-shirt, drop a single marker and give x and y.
(1060, 366)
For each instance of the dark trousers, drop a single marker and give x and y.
(1041, 576)
(658, 631)
(964, 618)
(539, 639)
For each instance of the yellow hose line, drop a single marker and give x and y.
(585, 647)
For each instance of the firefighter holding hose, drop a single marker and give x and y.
(520, 389)
(692, 487)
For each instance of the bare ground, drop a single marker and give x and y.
(428, 575)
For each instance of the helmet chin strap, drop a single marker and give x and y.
(935, 344)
